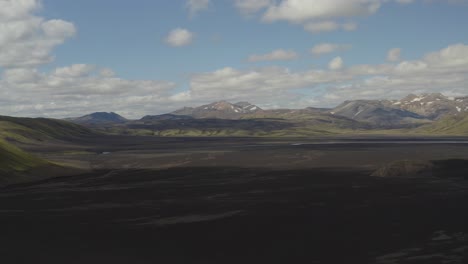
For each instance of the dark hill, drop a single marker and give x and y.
(99, 118)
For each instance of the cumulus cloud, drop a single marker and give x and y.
(275, 55)
(196, 6)
(297, 11)
(443, 71)
(80, 89)
(27, 40)
(324, 48)
(315, 16)
(394, 54)
(179, 37)
(336, 64)
(440, 71)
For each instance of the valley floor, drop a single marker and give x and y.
(220, 200)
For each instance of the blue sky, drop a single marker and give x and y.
(115, 55)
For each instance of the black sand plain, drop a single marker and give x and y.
(241, 200)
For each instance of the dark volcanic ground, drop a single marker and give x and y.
(220, 201)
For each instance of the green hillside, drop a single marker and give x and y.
(16, 163)
(14, 159)
(449, 125)
(37, 129)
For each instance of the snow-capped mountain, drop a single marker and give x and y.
(432, 106)
(378, 112)
(409, 110)
(221, 109)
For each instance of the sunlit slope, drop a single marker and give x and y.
(31, 129)
(15, 164)
(449, 125)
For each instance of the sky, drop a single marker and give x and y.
(66, 58)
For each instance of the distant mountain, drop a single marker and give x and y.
(165, 117)
(220, 110)
(380, 113)
(412, 112)
(432, 106)
(99, 118)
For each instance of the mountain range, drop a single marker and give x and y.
(424, 112)
(412, 109)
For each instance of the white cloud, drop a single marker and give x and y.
(443, 71)
(78, 90)
(394, 54)
(275, 55)
(325, 48)
(452, 56)
(27, 40)
(323, 26)
(106, 72)
(179, 37)
(251, 6)
(196, 6)
(336, 64)
(298, 11)
(17, 9)
(76, 70)
(327, 26)
(314, 15)
(269, 86)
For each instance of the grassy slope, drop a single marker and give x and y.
(450, 125)
(14, 159)
(27, 130)
(17, 165)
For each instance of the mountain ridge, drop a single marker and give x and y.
(418, 113)
(97, 118)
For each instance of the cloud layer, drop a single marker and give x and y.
(440, 71)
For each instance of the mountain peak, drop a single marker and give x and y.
(99, 118)
(220, 109)
(432, 105)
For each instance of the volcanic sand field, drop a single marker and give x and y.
(243, 200)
